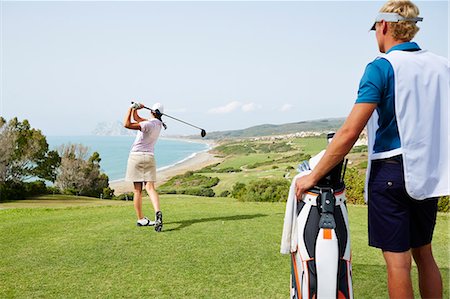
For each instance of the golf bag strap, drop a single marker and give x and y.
(311, 198)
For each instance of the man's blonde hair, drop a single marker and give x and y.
(403, 30)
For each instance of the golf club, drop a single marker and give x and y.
(202, 131)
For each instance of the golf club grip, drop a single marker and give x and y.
(146, 108)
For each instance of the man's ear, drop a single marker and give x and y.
(384, 27)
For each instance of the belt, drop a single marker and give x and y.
(391, 160)
(141, 153)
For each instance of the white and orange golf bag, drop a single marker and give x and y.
(321, 261)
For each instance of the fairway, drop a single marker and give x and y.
(209, 248)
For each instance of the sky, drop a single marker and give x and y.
(68, 65)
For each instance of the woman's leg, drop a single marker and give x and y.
(138, 199)
(399, 274)
(430, 281)
(154, 197)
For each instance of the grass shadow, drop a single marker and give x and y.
(186, 223)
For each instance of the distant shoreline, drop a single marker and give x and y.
(194, 162)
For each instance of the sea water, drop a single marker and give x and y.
(114, 151)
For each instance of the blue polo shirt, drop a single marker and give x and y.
(377, 86)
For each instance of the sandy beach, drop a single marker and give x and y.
(197, 162)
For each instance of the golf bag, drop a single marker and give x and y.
(321, 266)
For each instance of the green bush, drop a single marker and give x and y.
(263, 190)
(225, 193)
(359, 149)
(444, 204)
(209, 168)
(238, 190)
(20, 190)
(190, 183)
(189, 180)
(124, 196)
(354, 182)
(53, 190)
(107, 193)
(35, 188)
(235, 149)
(228, 170)
(274, 147)
(12, 191)
(208, 192)
(294, 158)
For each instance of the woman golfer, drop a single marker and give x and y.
(141, 168)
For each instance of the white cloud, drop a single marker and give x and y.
(230, 107)
(286, 107)
(234, 105)
(250, 107)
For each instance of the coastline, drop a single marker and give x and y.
(193, 162)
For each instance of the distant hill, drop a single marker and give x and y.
(112, 128)
(319, 126)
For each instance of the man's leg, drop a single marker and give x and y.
(154, 197)
(399, 274)
(430, 281)
(137, 200)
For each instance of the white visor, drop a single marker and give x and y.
(158, 106)
(393, 17)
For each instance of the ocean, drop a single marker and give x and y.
(114, 151)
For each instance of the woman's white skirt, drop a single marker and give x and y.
(141, 167)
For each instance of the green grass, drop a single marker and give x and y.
(210, 248)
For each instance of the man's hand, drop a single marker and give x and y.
(303, 184)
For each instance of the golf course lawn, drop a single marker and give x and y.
(209, 248)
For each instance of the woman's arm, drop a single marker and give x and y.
(136, 117)
(127, 123)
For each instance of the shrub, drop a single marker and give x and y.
(359, 149)
(228, 170)
(354, 183)
(209, 168)
(274, 147)
(53, 190)
(444, 204)
(19, 190)
(107, 193)
(263, 190)
(235, 149)
(35, 188)
(124, 196)
(208, 192)
(189, 180)
(12, 191)
(225, 193)
(238, 190)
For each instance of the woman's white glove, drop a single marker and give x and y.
(136, 106)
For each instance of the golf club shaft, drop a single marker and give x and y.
(173, 118)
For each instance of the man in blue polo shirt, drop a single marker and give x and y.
(403, 99)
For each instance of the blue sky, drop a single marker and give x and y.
(67, 66)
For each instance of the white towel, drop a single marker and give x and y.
(289, 239)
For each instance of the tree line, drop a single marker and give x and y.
(28, 167)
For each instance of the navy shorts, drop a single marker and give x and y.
(397, 222)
